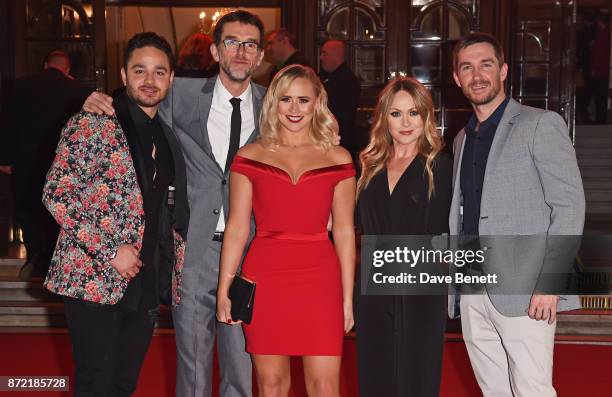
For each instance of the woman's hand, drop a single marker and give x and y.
(349, 320)
(224, 311)
(237, 230)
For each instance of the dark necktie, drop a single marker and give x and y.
(234, 132)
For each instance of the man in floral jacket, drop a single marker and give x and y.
(117, 188)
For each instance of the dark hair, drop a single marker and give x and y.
(476, 38)
(283, 33)
(244, 17)
(148, 39)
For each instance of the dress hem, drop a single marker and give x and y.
(295, 354)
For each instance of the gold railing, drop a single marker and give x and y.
(596, 302)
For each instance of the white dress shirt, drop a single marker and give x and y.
(219, 126)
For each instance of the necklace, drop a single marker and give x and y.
(294, 146)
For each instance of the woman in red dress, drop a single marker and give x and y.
(291, 180)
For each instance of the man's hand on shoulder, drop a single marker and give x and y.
(543, 307)
(99, 103)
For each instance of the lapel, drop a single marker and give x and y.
(181, 207)
(204, 104)
(129, 130)
(458, 153)
(172, 143)
(457, 199)
(503, 132)
(257, 94)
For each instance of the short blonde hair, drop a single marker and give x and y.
(324, 126)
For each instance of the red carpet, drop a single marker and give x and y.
(580, 369)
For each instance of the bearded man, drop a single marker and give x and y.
(515, 174)
(212, 119)
(117, 188)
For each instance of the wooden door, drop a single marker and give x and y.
(6, 68)
(30, 30)
(426, 54)
(388, 38)
(364, 27)
(542, 63)
(368, 29)
(415, 38)
(74, 26)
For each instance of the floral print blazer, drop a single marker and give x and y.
(92, 192)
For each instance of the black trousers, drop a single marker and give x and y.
(40, 230)
(108, 347)
(400, 342)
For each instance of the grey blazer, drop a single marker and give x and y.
(186, 111)
(532, 186)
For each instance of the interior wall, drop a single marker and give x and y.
(175, 24)
(586, 12)
(6, 71)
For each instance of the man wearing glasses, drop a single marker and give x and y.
(212, 119)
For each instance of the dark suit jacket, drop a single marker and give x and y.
(343, 90)
(35, 112)
(175, 218)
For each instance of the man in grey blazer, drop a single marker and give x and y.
(212, 118)
(515, 174)
(201, 111)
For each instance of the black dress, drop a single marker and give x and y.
(400, 338)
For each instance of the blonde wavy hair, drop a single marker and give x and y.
(324, 126)
(380, 148)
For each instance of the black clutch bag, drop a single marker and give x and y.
(242, 295)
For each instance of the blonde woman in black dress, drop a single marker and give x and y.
(404, 189)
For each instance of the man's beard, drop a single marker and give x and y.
(225, 66)
(142, 100)
(487, 99)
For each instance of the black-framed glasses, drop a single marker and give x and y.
(250, 47)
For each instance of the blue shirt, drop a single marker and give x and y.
(474, 163)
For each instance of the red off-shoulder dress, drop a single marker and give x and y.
(298, 302)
